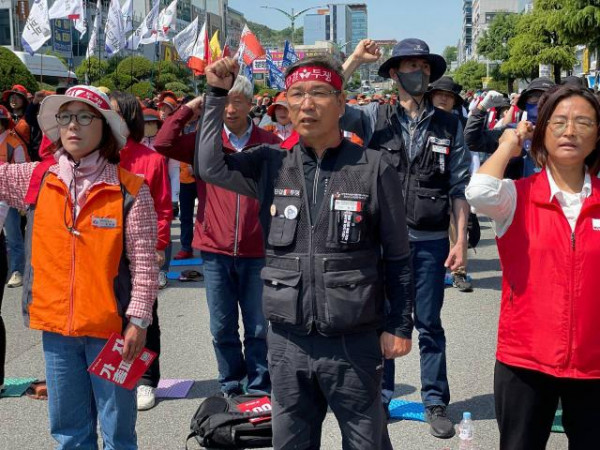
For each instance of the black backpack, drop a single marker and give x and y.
(218, 424)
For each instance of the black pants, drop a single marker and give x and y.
(526, 401)
(152, 375)
(310, 373)
(3, 275)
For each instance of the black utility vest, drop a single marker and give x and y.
(325, 275)
(425, 179)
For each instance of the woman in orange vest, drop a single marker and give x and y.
(91, 267)
(548, 234)
(281, 124)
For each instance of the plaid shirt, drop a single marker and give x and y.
(140, 230)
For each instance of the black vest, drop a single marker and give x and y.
(326, 275)
(425, 179)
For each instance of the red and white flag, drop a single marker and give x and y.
(201, 53)
(66, 9)
(250, 47)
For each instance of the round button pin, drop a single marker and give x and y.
(290, 212)
(273, 210)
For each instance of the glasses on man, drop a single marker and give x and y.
(582, 125)
(296, 96)
(82, 118)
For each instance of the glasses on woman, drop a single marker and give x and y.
(581, 125)
(296, 96)
(82, 118)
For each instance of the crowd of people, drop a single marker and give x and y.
(328, 222)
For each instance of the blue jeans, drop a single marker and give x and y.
(187, 197)
(14, 241)
(76, 398)
(233, 283)
(428, 265)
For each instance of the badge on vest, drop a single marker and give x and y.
(348, 210)
(596, 224)
(104, 222)
(287, 192)
(441, 146)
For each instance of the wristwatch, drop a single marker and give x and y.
(142, 323)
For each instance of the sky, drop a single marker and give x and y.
(437, 22)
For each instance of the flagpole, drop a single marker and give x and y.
(71, 61)
(131, 49)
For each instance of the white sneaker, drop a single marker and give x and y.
(145, 398)
(16, 280)
(162, 279)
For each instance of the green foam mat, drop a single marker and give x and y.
(16, 387)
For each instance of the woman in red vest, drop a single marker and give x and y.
(91, 267)
(548, 233)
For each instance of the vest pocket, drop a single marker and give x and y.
(431, 211)
(285, 213)
(351, 298)
(280, 295)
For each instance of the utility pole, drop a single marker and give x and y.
(292, 16)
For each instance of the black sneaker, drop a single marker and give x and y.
(439, 424)
(460, 281)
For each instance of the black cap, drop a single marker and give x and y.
(447, 84)
(541, 84)
(573, 80)
(414, 48)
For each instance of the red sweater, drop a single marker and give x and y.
(142, 161)
(550, 313)
(222, 225)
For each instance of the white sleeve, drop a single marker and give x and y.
(174, 170)
(494, 198)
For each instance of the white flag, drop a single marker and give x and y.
(114, 30)
(81, 23)
(37, 28)
(166, 19)
(186, 39)
(93, 45)
(66, 9)
(146, 33)
(127, 12)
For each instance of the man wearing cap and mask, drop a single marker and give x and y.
(426, 146)
(336, 244)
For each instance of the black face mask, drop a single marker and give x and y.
(414, 83)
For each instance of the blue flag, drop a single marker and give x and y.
(276, 78)
(289, 55)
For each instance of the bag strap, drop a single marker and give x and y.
(35, 182)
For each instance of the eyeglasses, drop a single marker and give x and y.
(582, 125)
(296, 97)
(82, 118)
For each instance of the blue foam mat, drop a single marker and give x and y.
(187, 262)
(403, 409)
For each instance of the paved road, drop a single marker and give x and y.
(470, 321)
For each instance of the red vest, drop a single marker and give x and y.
(550, 310)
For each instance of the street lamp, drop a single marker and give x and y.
(292, 16)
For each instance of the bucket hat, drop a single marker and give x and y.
(414, 48)
(541, 84)
(447, 84)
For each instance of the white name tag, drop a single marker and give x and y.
(440, 149)
(596, 224)
(347, 205)
(104, 222)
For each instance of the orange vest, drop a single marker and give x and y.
(8, 147)
(23, 130)
(78, 283)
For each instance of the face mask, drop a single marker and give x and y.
(415, 83)
(532, 113)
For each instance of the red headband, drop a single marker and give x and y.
(315, 73)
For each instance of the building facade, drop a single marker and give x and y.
(483, 13)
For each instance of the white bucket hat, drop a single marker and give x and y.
(90, 96)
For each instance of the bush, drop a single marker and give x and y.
(142, 89)
(13, 71)
(123, 81)
(135, 66)
(107, 81)
(164, 79)
(97, 69)
(179, 88)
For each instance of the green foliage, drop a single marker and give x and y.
(46, 87)
(179, 88)
(270, 37)
(469, 75)
(450, 54)
(13, 71)
(107, 81)
(137, 67)
(271, 92)
(122, 81)
(95, 67)
(143, 89)
(163, 79)
(354, 83)
(114, 62)
(494, 42)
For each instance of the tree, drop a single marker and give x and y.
(470, 75)
(94, 67)
(180, 89)
(579, 24)
(537, 42)
(143, 89)
(13, 71)
(137, 67)
(450, 54)
(494, 45)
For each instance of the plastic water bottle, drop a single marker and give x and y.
(466, 432)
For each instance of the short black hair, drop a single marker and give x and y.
(131, 111)
(324, 61)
